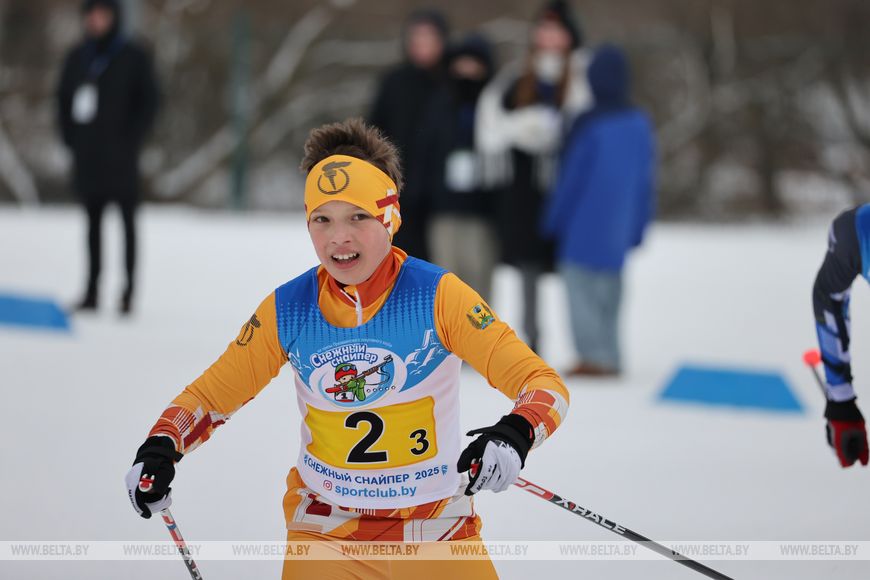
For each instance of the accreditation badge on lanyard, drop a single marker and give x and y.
(85, 103)
(86, 100)
(460, 173)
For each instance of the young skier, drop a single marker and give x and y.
(376, 339)
(848, 256)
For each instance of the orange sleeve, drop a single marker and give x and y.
(251, 360)
(470, 329)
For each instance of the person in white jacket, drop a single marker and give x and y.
(522, 117)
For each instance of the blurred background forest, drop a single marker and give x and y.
(761, 108)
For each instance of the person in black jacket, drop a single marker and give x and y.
(461, 235)
(107, 100)
(402, 99)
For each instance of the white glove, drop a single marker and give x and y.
(495, 458)
(534, 129)
(134, 480)
(498, 468)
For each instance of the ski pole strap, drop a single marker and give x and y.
(619, 529)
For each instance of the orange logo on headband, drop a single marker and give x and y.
(346, 178)
(330, 172)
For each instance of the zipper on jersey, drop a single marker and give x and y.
(357, 305)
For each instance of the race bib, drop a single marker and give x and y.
(85, 103)
(377, 438)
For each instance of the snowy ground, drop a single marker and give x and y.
(76, 406)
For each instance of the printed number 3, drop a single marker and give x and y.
(420, 435)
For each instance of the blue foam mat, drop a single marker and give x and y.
(731, 387)
(26, 311)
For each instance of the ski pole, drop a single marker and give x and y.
(180, 544)
(618, 529)
(812, 358)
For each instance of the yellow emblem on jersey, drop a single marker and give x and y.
(480, 316)
(375, 438)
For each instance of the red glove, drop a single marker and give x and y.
(846, 432)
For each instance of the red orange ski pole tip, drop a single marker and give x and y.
(812, 357)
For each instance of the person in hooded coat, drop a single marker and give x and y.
(601, 205)
(107, 99)
(400, 104)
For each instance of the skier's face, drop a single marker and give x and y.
(349, 241)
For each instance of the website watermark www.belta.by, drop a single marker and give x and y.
(456, 550)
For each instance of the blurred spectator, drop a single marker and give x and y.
(522, 116)
(107, 101)
(461, 234)
(601, 205)
(402, 98)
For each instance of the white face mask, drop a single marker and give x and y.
(549, 65)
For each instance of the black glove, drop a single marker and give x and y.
(846, 432)
(497, 454)
(152, 472)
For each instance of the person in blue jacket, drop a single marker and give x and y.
(601, 204)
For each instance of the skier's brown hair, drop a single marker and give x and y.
(353, 137)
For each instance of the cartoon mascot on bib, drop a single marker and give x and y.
(350, 386)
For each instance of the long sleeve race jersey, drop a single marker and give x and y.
(848, 257)
(376, 370)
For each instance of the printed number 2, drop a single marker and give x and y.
(360, 452)
(420, 435)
